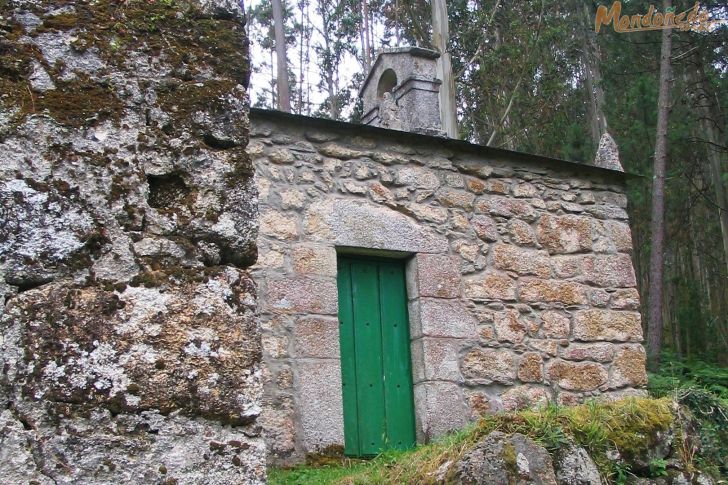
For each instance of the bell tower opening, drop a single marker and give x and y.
(387, 82)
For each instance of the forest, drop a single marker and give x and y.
(535, 76)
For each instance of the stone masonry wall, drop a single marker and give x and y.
(520, 281)
(129, 346)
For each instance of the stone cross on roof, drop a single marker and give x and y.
(608, 154)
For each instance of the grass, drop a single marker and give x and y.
(313, 474)
(629, 426)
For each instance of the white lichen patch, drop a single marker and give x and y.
(101, 367)
(142, 306)
(39, 227)
(522, 464)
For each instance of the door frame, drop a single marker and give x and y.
(348, 362)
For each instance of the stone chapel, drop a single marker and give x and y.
(409, 283)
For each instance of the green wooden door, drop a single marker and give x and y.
(375, 356)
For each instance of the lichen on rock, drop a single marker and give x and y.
(130, 345)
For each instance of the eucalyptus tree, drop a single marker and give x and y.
(284, 94)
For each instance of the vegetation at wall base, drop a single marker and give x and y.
(618, 435)
(701, 388)
(676, 373)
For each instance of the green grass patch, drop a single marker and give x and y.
(306, 474)
(629, 426)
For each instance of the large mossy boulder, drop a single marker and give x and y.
(508, 459)
(129, 345)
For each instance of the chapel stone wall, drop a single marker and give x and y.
(520, 283)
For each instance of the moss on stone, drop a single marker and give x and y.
(64, 21)
(174, 31)
(79, 103)
(509, 458)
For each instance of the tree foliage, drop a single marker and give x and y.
(523, 71)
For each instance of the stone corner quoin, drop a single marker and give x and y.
(130, 348)
(521, 288)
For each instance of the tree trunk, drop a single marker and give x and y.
(591, 58)
(367, 39)
(284, 95)
(301, 68)
(710, 120)
(657, 226)
(440, 41)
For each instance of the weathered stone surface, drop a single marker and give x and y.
(188, 350)
(576, 376)
(566, 266)
(43, 232)
(468, 251)
(475, 185)
(521, 233)
(555, 325)
(279, 426)
(574, 466)
(629, 367)
(302, 295)
(608, 154)
(455, 198)
(622, 393)
(491, 286)
(438, 276)
(479, 404)
(364, 225)
(441, 409)
(442, 318)
(564, 234)
(484, 227)
(379, 193)
(530, 368)
(524, 397)
(525, 190)
(436, 359)
(625, 299)
(600, 352)
(521, 261)
(565, 398)
(135, 350)
(269, 258)
(609, 271)
(316, 260)
(336, 150)
(566, 292)
(508, 327)
(489, 365)
(548, 347)
(130, 349)
(16, 454)
(279, 226)
(292, 199)
(618, 236)
(316, 337)
(281, 155)
(505, 207)
(498, 186)
(354, 188)
(275, 346)
(428, 213)
(607, 212)
(417, 177)
(591, 325)
(319, 403)
(500, 458)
